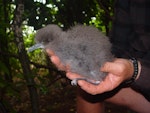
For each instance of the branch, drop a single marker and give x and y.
(55, 80)
(9, 55)
(61, 73)
(23, 57)
(105, 9)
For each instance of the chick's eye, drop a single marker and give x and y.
(47, 39)
(50, 39)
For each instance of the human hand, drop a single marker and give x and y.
(118, 71)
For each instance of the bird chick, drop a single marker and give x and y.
(83, 48)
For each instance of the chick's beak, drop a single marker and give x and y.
(36, 46)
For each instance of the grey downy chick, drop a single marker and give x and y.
(83, 48)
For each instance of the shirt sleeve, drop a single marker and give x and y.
(140, 42)
(142, 84)
(131, 38)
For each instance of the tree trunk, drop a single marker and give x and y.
(23, 58)
(4, 40)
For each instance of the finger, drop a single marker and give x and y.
(55, 60)
(72, 76)
(50, 52)
(93, 89)
(110, 67)
(108, 84)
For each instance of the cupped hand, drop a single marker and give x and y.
(118, 71)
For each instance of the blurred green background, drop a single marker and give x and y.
(29, 82)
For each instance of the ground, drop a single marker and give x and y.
(64, 101)
(58, 99)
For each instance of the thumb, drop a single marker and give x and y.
(110, 67)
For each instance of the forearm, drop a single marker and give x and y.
(142, 83)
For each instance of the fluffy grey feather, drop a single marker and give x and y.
(83, 48)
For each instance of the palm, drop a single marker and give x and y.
(110, 82)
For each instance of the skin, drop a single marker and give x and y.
(85, 103)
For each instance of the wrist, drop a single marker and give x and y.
(136, 69)
(139, 70)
